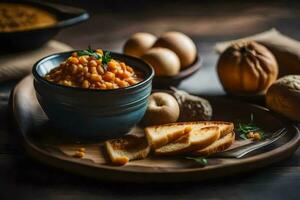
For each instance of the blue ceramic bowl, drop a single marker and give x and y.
(89, 113)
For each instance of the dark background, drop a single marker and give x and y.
(203, 20)
(207, 22)
(111, 23)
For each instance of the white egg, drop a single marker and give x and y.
(138, 44)
(181, 44)
(164, 61)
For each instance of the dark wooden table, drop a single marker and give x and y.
(111, 23)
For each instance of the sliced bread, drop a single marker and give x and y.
(219, 145)
(196, 139)
(130, 147)
(163, 134)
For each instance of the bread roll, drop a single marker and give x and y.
(284, 96)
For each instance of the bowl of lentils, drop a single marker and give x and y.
(93, 93)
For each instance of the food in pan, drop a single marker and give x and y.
(164, 61)
(138, 44)
(130, 147)
(181, 44)
(21, 17)
(162, 109)
(189, 138)
(247, 68)
(94, 69)
(284, 96)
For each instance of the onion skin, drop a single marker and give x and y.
(162, 109)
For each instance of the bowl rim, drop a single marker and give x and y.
(61, 87)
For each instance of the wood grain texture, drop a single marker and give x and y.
(23, 178)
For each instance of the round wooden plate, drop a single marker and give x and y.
(47, 145)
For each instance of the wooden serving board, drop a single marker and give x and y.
(47, 144)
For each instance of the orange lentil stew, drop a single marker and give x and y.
(94, 69)
(21, 17)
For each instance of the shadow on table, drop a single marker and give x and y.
(28, 174)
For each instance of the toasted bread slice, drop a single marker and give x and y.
(130, 147)
(219, 145)
(196, 139)
(163, 134)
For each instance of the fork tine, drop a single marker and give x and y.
(282, 133)
(241, 151)
(256, 146)
(277, 133)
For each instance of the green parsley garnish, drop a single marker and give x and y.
(201, 160)
(106, 58)
(244, 128)
(90, 52)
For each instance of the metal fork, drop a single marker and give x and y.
(242, 151)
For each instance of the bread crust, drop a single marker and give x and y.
(188, 145)
(156, 143)
(191, 123)
(284, 97)
(211, 149)
(128, 148)
(165, 140)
